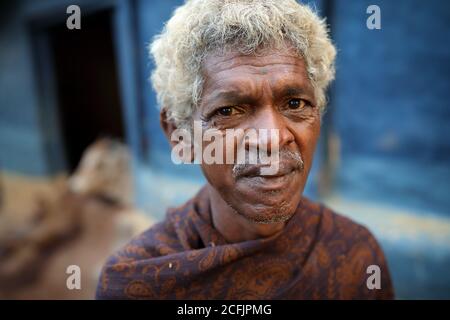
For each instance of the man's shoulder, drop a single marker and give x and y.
(132, 259)
(333, 226)
(161, 239)
(344, 238)
(350, 250)
(153, 242)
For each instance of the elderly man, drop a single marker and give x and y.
(243, 64)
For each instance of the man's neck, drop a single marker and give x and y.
(233, 226)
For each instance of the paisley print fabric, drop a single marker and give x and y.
(318, 255)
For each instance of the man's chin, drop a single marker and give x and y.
(263, 214)
(265, 207)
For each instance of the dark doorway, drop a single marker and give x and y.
(87, 83)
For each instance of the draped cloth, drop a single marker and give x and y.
(318, 255)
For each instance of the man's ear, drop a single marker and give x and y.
(167, 125)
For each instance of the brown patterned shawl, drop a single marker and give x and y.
(318, 255)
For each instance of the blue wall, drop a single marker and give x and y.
(152, 15)
(21, 141)
(390, 102)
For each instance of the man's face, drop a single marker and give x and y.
(270, 91)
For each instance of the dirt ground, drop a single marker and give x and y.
(76, 230)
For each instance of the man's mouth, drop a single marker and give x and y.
(253, 176)
(288, 166)
(255, 171)
(278, 181)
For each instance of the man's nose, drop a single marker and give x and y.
(275, 133)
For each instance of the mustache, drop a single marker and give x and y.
(288, 162)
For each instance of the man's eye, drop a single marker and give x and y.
(227, 111)
(296, 104)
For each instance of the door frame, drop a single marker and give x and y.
(42, 15)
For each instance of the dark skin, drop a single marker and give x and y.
(269, 91)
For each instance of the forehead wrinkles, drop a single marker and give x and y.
(215, 64)
(229, 72)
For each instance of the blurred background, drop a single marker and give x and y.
(85, 166)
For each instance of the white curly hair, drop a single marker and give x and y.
(202, 27)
